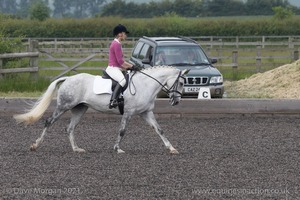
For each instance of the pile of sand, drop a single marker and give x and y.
(282, 82)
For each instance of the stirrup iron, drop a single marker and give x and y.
(113, 103)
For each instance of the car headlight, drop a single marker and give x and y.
(216, 79)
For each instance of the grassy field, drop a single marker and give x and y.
(22, 84)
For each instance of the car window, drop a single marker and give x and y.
(150, 52)
(180, 54)
(144, 52)
(137, 49)
(193, 55)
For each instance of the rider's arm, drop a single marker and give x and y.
(119, 57)
(126, 65)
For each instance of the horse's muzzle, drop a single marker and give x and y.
(174, 101)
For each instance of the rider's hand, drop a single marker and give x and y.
(135, 68)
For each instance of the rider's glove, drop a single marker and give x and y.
(135, 68)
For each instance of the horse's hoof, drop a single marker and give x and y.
(33, 147)
(79, 150)
(120, 151)
(174, 151)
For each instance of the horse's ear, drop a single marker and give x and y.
(184, 72)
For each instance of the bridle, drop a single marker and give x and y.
(173, 89)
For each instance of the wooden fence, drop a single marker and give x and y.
(233, 53)
(33, 63)
(32, 54)
(205, 41)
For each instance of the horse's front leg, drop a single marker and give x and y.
(122, 131)
(150, 118)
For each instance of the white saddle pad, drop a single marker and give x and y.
(102, 86)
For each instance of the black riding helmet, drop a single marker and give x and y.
(119, 29)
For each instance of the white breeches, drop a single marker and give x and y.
(116, 74)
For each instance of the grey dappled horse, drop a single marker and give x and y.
(75, 93)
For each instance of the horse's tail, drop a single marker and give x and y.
(41, 105)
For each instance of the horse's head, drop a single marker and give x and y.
(169, 79)
(175, 87)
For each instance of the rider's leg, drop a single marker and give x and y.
(116, 74)
(114, 97)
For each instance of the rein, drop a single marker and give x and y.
(165, 89)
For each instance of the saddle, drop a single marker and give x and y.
(114, 83)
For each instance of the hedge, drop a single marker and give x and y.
(159, 26)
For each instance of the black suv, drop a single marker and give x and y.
(183, 53)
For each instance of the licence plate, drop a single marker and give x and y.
(191, 89)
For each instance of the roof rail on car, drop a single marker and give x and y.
(148, 38)
(187, 39)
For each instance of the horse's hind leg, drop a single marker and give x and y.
(56, 114)
(77, 113)
(150, 118)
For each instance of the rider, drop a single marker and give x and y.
(117, 64)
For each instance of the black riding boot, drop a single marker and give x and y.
(114, 97)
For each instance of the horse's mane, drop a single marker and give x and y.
(159, 67)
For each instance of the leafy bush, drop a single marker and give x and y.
(169, 25)
(282, 13)
(159, 26)
(9, 45)
(17, 82)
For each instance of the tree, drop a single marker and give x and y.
(62, 8)
(282, 13)
(77, 8)
(115, 8)
(127, 8)
(39, 10)
(259, 7)
(186, 8)
(95, 6)
(24, 8)
(226, 8)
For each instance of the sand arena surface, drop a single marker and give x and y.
(240, 157)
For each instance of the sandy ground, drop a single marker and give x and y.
(239, 157)
(282, 82)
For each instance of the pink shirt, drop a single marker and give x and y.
(115, 54)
